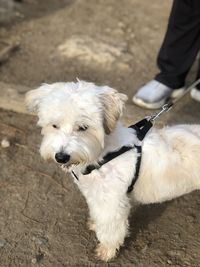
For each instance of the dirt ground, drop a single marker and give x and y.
(43, 215)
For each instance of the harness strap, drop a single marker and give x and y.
(137, 169)
(110, 156)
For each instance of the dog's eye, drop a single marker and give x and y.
(82, 128)
(55, 126)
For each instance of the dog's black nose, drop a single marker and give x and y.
(62, 157)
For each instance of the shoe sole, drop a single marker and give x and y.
(156, 105)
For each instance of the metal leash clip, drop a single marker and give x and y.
(165, 108)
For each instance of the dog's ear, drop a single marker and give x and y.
(112, 104)
(34, 98)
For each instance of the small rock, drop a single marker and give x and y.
(38, 258)
(34, 261)
(5, 143)
(40, 240)
(2, 243)
(169, 261)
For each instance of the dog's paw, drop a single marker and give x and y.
(91, 225)
(105, 253)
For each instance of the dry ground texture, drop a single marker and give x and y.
(42, 215)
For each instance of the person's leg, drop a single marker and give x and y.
(178, 51)
(181, 43)
(198, 75)
(195, 92)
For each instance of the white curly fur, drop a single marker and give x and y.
(170, 159)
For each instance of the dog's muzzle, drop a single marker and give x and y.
(62, 157)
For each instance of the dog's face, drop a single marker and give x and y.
(75, 118)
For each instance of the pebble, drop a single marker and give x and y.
(5, 143)
(2, 243)
(40, 240)
(38, 258)
(34, 261)
(169, 261)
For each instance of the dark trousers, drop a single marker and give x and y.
(181, 43)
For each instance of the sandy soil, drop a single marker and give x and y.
(43, 215)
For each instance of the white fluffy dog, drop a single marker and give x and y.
(80, 125)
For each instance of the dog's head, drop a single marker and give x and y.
(75, 118)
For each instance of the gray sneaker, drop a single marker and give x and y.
(195, 94)
(154, 95)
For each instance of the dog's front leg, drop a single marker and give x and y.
(111, 225)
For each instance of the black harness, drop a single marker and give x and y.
(141, 128)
